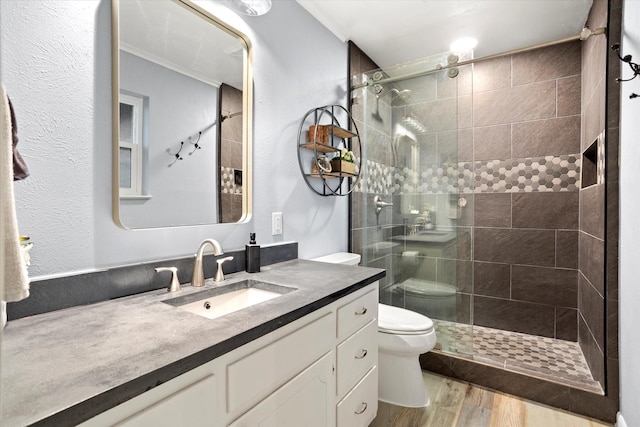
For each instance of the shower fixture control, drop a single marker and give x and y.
(380, 204)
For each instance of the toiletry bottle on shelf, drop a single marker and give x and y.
(252, 255)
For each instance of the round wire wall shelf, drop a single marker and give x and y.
(321, 139)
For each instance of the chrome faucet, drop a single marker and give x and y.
(197, 279)
(426, 221)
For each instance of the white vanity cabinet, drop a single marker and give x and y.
(319, 370)
(184, 401)
(306, 400)
(357, 360)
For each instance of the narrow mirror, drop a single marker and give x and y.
(181, 90)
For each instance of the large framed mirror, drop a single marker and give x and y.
(182, 95)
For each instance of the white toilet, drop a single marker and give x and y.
(403, 335)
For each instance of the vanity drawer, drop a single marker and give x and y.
(360, 406)
(258, 374)
(356, 356)
(357, 313)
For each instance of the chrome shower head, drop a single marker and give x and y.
(403, 95)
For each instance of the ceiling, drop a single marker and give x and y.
(175, 37)
(397, 31)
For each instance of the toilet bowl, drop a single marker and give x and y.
(403, 336)
(426, 296)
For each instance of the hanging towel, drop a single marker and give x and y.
(16, 281)
(20, 170)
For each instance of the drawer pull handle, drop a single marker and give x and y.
(362, 355)
(363, 407)
(362, 311)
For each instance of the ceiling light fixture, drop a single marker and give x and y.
(463, 44)
(251, 7)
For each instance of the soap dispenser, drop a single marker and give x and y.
(252, 255)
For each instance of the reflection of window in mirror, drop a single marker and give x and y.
(131, 145)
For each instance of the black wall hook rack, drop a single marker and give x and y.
(176, 155)
(627, 58)
(195, 144)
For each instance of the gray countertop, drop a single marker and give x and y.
(63, 367)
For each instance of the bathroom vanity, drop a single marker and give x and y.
(308, 356)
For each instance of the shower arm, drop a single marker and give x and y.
(584, 34)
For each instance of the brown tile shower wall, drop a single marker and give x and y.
(518, 141)
(526, 112)
(492, 281)
(367, 231)
(597, 293)
(230, 154)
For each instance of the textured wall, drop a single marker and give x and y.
(55, 62)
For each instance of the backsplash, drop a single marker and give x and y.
(89, 288)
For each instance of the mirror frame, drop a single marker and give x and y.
(247, 116)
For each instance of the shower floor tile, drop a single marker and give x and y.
(546, 358)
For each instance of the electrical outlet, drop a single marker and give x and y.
(276, 223)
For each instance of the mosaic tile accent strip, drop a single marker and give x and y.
(375, 178)
(227, 182)
(552, 359)
(549, 173)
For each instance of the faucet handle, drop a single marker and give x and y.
(219, 273)
(175, 284)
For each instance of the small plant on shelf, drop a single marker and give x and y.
(344, 161)
(345, 155)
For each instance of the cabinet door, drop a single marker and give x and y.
(253, 377)
(190, 399)
(306, 400)
(191, 406)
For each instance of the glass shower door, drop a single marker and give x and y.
(416, 138)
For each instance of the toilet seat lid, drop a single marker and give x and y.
(400, 321)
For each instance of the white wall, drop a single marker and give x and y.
(179, 107)
(55, 61)
(629, 224)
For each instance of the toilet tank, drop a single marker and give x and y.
(340, 258)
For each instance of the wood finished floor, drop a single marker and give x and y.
(459, 404)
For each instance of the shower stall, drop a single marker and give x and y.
(412, 207)
(468, 198)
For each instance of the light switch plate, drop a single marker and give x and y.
(276, 223)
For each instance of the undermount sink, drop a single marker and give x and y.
(227, 299)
